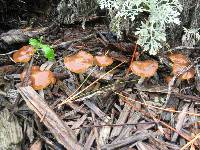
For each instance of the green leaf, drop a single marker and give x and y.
(35, 43)
(48, 52)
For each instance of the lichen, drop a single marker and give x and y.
(151, 32)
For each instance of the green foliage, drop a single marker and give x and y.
(151, 31)
(47, 50)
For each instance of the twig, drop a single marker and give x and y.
(28, 72)
(24, 83)
(115, 125)
(9, 53)
(190, 142)
(163, 109)
(96, 132)
(185, 47)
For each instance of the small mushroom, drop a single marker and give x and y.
(177, 68)
(42, 79)
(79, 63)
(144, 69)
(178, 58)
(103, 60)
(24, 54)
(39, 79)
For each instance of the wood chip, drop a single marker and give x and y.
(121, 120)
(97, 111)
(181, 118)
(126, 132)
(89, 141)
(79, 122)
(144, 146)
(134, 138)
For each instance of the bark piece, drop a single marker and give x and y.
(89, 141)
(134, 138)
(18, 36)
(57, 127)
(10, 131)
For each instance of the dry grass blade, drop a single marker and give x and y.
(80, 85)
(57, 127)
(164, 109)
(190, 142)
(147, 114)
(74, 96)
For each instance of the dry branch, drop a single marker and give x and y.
(18, 36)
(57, 127)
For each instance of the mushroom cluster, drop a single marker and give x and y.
(180, 62)
(81, 61)
(24, 54)
(39, 79)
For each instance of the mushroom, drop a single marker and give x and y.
(178, 58)
(42, 79)
(24, 54)
(39, 79)
(79, 63)
(180, 62)
(103, 60)
(177, 68)
(144, 69)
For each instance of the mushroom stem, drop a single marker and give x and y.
(178, 82)
(140, 81)
(41, 93)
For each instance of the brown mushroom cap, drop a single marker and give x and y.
(179, 58)
(33, 69)
(39, 79)
(79, 63)
(42, 79)
(145, 68)
(177, 68)
(103, 60)
(24, 54)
